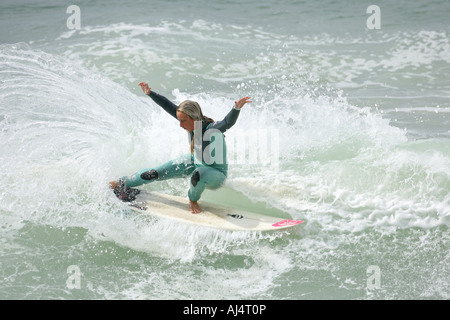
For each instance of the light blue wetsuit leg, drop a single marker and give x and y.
(177, 168)
(204, 177)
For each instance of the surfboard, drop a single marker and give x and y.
(213, 216)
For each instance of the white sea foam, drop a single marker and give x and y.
(332, 156)
(368, 194)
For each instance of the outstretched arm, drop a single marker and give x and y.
(241, 102)
(232, 116)
(162, 101)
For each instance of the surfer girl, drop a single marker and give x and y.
(205, 164)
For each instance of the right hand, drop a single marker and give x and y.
(145, 88)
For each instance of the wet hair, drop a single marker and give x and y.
(192, 109)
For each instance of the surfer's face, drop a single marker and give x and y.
(186, 122)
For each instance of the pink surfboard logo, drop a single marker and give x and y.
(286, 223)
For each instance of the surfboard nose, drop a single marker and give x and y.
(286, 222)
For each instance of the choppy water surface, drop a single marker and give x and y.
(359, 118)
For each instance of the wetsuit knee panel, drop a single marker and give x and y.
(149, 175)
(195, 178)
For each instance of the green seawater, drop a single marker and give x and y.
(348, 131)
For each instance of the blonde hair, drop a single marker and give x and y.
(192, 109)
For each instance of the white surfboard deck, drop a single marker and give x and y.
(213, 216)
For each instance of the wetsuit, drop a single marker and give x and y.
(207, 167)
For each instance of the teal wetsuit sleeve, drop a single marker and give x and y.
(164, 103)
(227, 122)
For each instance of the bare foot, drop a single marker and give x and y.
(113, 184)
(195, 208)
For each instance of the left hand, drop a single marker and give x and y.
(241, 102)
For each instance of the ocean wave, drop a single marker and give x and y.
(70, 129)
